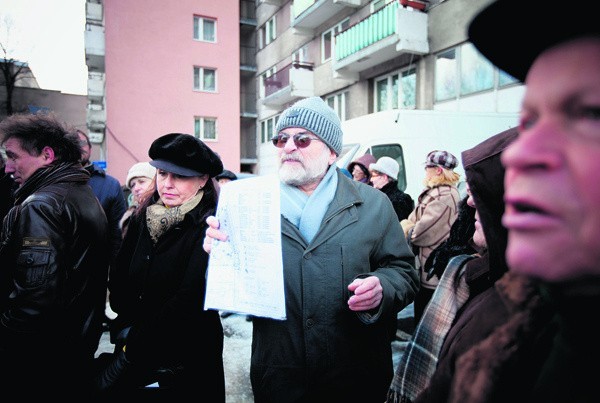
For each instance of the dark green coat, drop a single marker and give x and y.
(324, 351)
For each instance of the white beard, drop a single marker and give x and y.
(304, 173)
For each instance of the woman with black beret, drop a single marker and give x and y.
(162, 332)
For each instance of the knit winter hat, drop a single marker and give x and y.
(314, 115)
(443, 159)
(141, 169)
(386, 165)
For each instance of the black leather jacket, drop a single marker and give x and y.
(54, 258)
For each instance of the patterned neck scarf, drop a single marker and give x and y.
(160, 218)
(419, 360)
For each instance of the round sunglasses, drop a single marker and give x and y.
(301, 140)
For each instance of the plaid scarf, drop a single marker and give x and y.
(419, 360)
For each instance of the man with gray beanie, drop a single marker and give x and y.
(347, 270)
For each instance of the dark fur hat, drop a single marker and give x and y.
(185, 155)
(513, 34)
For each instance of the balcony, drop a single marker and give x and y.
(309, 14)
(96, 137)
(248, 105)
(96, 87)
(96, 119)
(292, 82)
(247, 61)
(94, 47)
(93, 13)
(384, 35)
(271, 2)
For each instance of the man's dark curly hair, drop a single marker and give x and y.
(42, 130)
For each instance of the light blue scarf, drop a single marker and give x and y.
(307, 212)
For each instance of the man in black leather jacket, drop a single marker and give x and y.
(54, 258)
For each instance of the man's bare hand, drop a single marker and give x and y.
(368, 294)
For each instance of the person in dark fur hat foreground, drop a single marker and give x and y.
(158, 284)
(542, 346)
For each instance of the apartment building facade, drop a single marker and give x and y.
(156, 67)
(366, 56)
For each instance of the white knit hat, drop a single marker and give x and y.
(386, 165)
(141, 169)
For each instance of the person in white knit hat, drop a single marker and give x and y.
(347, 269)
(140, 181)
(384, 176)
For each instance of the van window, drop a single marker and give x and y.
(394, 151)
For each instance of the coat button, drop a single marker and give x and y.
(29, 260)
(310, 323)
(308, 255)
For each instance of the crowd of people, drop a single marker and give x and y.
(505, 281)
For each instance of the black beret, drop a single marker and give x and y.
(185, 155)
(226, 174)
(513, 34)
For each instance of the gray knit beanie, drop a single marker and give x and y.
(315, 115)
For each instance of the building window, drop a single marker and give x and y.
(300, 55)
(205, 79)
(337, 102)
(267, 33)
(205, 29)
(327, 42)
(205, 128)
(396, 90)
(263, 77)
(267, 129)
(463, 71)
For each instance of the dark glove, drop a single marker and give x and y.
(114, 375)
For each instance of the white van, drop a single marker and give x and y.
(409, 135)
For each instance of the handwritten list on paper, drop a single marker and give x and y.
(245, 273)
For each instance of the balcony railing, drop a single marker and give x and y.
(309, 14)
(374, 28)
(281, 79)
(380, 37)
(289, 83)
(94, 47)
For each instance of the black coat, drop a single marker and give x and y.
(159, 291)
(54, 267)
(402, 202)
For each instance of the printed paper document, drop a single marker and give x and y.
(245, 273)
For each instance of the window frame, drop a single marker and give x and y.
(200, 128)
(454, 78)
(397, 100)
(198, 28)
(266, 126)
(267, 33)
(338, 103)
(332, 32)
(201, 79)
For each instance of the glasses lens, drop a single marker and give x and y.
(280, 140)
(300, 140)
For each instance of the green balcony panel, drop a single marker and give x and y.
(372, 29)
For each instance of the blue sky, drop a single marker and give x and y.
(49, 35)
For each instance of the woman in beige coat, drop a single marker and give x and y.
(429, 224)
